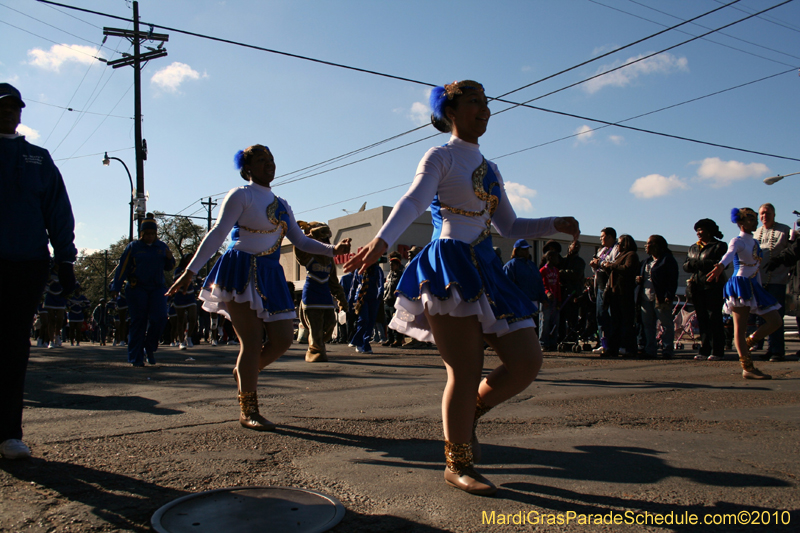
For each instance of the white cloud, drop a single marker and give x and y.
(665, 63)
(60, 54)
(616, 139)
(29, 133)
(420, 113)
(518, 195)
(170, 78)
(655, 185)
(718, 173)
(584, 134)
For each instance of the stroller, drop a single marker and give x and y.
(575, 337)
(685, 324)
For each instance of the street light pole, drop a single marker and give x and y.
(107, 162)
(775, 179)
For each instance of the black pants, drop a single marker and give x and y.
(22, 284)
(708, 306)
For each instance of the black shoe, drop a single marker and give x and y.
(777, 358)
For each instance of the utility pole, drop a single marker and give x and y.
(210, 205)
(137, 61)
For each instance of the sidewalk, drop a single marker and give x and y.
(113, 443)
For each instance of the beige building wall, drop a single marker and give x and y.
(362, 228)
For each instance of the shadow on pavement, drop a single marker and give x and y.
(122, 501)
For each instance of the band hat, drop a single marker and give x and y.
(522, 243)
(9, 91)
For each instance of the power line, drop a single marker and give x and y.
(252, 46)
(601, 56)
(706, 27)
(650, 112)
(50, 40)
(771, 20)
(93, 155)
(355, 198)
(77, 110)
(629, 63)
(577, 134)
(59, 29)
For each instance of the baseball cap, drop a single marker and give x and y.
(522, 243)
(9, 91)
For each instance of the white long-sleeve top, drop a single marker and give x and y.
(248, 205)
(743, 249)
(447, 170)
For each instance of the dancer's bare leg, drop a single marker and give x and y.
(280, 335)
(460, 343)
(522, 358)
(249, 328)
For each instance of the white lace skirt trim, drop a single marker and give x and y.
(410, 316)
(215, 301)
(735, 301)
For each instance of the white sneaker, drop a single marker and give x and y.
(14, 449)
(189, 343)
(599, 349)
(213, 342)
(51, 345)
(181, 346)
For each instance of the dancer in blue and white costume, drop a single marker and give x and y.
(247, 284)
(743, 292)
(454, 292)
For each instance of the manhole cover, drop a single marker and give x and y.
(250, 509)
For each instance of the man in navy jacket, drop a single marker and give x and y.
(36, 211)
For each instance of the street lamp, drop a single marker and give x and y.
(107, 162)
(775, 179)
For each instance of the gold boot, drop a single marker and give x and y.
(749, 371)
(480, 409)
(460, 473)
(250, 417)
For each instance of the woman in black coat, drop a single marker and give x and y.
(620, 294)
(707, 295)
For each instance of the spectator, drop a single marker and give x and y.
(707, 296)
(773, 238)
(607, 252)
(572, 273)
(36, 211)
(548, 329)
(523, 272)
(658, 279)
(620, 295)
(789, 257)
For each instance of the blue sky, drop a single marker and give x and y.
(206, 100)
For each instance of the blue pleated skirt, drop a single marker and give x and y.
(740, 291)
(242, 277)
(455, 278)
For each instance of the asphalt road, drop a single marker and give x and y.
(592, 439)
